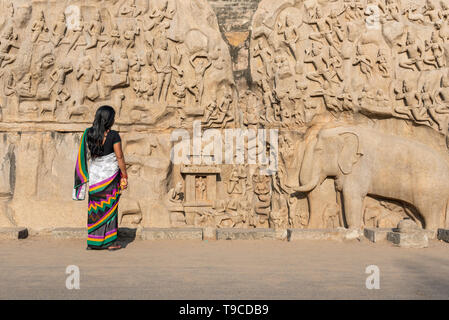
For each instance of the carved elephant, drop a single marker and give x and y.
(364, 161)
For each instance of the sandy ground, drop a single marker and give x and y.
(36, 269)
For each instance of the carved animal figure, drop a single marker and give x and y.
(365, 161)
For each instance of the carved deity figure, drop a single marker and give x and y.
(414, 53)
(7, 41)
(59, 30)
(412, 110)
(382, 63)
(318, 60)
(200, 62)
(162, 65)
(95, 30)
(363, 60)
(200, 188)
(89, 77)
(38, 27)
(176, 194)
(59, 77)
(436, 47)
(129, 35)
(266, 56)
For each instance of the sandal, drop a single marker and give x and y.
(114, 247)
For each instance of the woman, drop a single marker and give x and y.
(106, 176)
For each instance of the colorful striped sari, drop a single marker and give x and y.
(103, 177)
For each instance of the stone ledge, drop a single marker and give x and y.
(172, 234)
(13, 233)
(339, 234)
(417, 239)
(443, 234)
(376, 234)
(246, 234)
(69, 233)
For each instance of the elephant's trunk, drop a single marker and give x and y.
(309, 186)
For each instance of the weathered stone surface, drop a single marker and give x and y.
(246, 234)
(377, 234)
(356, 93)
(172, 234)
(323, 234)
(69, 233)
(415, 239)
(13, 233)
(443, 234)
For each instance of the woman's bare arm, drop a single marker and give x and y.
(121, 159)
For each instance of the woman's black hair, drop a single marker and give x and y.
(104, 119)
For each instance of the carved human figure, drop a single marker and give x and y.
(347, 102)
(412, 110)
(200, 188)
(234, 186)
(89, 77)
(7, 41)
(299, 98)
(381, 100)
(200, 62)
(176, 194)
(366, 98)
(266, 56)
(330, 96)
(113, 38)
(436, 46)
(322, 25)
(129, 35)
(77, 32)
(428, 106)
(210, 114)
(106, 62)
(225, 110)
(430, 11)
(129, 8)
(411, 12)
(363, 60)
(162, 65)
(382, 63)
(95, 30)
(392, 11)
(317, 59)
(334, 64)
(290, 34)
(414, 53)
(267, 98)
(353, 9)
(59, 30)
(59, 78)
(38, 27)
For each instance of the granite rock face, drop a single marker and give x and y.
(336, 112)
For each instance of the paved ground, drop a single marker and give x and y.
(35, 269)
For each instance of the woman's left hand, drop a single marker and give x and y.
(124, 183)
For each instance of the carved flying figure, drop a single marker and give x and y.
(7, 41)
(363, 60)
(38, 27)
(59, 30)
(412, 109)
(414, 53)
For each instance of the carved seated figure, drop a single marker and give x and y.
(176, 194)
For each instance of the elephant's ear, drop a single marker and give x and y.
(350, 153)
